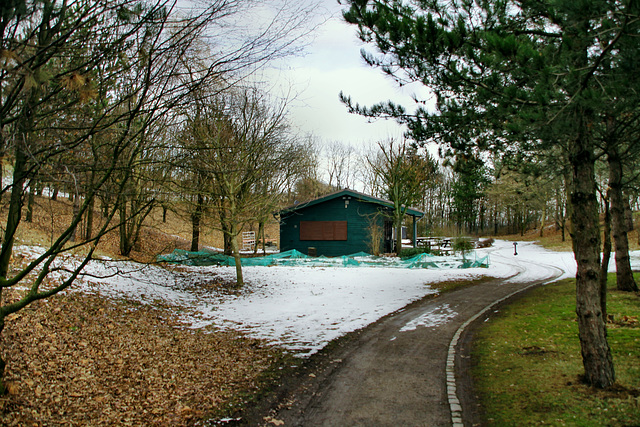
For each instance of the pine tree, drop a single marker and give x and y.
(518, 71)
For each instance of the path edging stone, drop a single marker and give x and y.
(452, 392)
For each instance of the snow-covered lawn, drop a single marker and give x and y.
(302, 308)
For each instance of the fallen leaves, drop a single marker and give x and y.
(622, 322)
(273, 421)
(81, 359)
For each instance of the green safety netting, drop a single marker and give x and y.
(297, 258)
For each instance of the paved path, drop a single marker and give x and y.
(394, 372)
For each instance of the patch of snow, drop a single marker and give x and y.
(436, 316)
(302, 308)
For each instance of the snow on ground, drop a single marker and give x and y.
(434, 317)
(303, 308)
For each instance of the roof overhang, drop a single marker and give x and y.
(349, 193)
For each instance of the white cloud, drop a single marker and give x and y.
(333, 64)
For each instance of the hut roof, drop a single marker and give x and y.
(349, 193)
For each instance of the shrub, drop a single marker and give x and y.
(486, 243)
(462, 245)
(411, 252)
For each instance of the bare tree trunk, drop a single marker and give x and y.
(542, 220)
(264, 240)
(76, 210)
(495, 219)
(30, 201)
(225, 235)
(606, 256)
(15, 211)
(568, 207)
(585, 231)
(13, 220)
(628, 214)
(398, 236)
(89, 231)
(125, 248)
(235, 250)
(195, 224)
(3, 389)
(14, 215)
(258, 235)
(105, 207)
(624, 275)
(2, 155)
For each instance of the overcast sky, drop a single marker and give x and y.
(332, 63)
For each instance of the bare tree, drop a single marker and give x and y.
(239, 144)
(82, 86)
(403, 175)
(341, 159)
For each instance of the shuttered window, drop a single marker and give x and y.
(323, 230)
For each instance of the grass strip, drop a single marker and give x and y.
(527, 362)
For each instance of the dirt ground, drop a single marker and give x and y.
(81, 359)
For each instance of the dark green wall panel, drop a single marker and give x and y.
(357, 214)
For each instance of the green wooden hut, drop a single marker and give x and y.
(339, 223)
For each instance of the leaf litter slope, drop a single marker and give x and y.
(89, 360)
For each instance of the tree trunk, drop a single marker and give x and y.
(76, 210)
(568, 208)
(104, 207)
(585, 231)
(235, 250)
(195, 224)
(542, 220)
(628, 214)
(2, 154)
(259, 237)
(225, 236)
(3, 389)
(398, 236)
(125, 248)
(14, 214)
(30, 202)
(164, 214)
(624, 275)
(495, 219)
(606, 256)
(89, 231)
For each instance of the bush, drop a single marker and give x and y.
(462, 245)
(486, 243)
(411, 252)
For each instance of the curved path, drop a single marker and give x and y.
(400, 370)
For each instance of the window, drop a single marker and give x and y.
(323, 230)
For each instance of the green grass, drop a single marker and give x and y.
(528, 364)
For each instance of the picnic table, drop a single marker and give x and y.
(442, 244)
